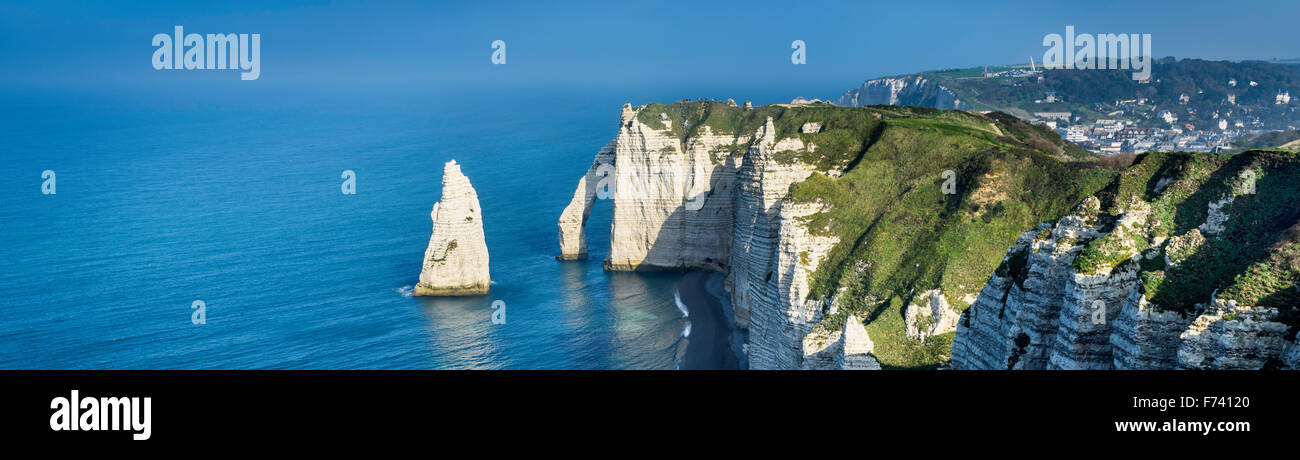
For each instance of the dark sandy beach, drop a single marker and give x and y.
(707, 346)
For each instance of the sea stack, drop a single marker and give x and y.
(456, 262)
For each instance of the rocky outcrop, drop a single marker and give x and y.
(1078, 294)
(708, 186)
(1040, 311)
(573, 221)
(673, 199)
(1291, 358)
(691, 203)
(762, 184)
(456, 261)
(777, 307)
(912, 90)
(1015, 318)
(1144, 336)
(849, 348)
(1228, 336)
(931, 317)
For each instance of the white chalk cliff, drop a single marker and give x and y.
(907, 90)
(456, 261)
(573, 240)
(716, 201)
(704, 197)
(1041, 311)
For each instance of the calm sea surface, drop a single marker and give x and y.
(165, 198)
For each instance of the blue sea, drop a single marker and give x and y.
(232, 196)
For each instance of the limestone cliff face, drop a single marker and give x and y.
(1291, 359)
(908, 90)
(763, 183)
(456, 261)
(708, 186)
(690, 202)
(1053, 306)
(672, 204)
(1052, 315)
(780, 312)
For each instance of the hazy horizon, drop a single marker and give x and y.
(85, 45)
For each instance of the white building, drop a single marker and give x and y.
(1075, 134)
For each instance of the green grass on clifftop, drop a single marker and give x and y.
(1254, 259)
(901, 235)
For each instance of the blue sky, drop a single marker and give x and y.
(85, 45)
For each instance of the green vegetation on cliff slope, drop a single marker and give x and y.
(1252, 257)
(900, 234)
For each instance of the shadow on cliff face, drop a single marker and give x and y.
(673, 249)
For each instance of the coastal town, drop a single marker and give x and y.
(1186, 105)
(1138, 125)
